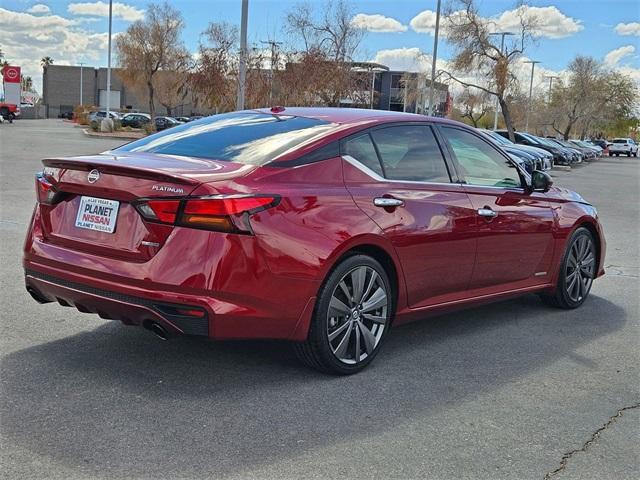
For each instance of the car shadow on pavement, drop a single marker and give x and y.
(116, 402)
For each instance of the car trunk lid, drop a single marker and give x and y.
(95, 208)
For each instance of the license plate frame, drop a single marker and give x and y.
(97, 214)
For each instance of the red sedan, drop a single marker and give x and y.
(321, 226)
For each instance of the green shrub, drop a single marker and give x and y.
(95, 125)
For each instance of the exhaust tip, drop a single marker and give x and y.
(157, 329)
(37, 296)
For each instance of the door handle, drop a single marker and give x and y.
(387, 202)
(487, 212)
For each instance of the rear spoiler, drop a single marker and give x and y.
(111, 166)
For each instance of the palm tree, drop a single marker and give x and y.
(27, 83)
(46, 61)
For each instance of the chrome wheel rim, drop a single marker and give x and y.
(357, 315)
(580, 268)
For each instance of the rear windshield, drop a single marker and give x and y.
(249, 138)
(619, 140)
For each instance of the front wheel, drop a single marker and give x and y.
(351, 319)
(577, 271)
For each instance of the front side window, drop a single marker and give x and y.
(248, 138)
(479, 162)
(410, 153)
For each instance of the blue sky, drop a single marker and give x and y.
(73, 31)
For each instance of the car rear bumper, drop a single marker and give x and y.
(113, 305)
(178, 313)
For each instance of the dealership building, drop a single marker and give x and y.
(61, 91)
(391, 90)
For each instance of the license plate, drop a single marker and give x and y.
(97, 214)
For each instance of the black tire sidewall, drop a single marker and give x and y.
(562, 294)
(320, 319)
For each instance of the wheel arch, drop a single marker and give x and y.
(595, 232)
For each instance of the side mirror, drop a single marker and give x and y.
(540, 181)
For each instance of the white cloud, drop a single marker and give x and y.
(404, 59)
(39, 8)
(424, 22)
(612, 58)
(632, 28)
(101, 9)
(377, 23)
(26, 38)
(551, 22)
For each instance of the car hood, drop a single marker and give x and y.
(540, 152)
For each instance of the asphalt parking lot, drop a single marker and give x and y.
(515, 390)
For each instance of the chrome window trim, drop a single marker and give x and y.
(366, 170)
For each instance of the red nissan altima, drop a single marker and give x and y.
(316, 225)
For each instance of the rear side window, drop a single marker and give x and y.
(249, 138)
(410, 153)
(361, 148)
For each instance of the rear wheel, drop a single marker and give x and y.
(351, 318)
(577, 272)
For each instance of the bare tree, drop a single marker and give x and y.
(152, 45)
(332, 33)
(322, 72)
(216, 69)
(591, 97)
(473, 105)
(479, 61)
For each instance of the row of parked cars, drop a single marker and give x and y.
(542, 153)
(139, 120)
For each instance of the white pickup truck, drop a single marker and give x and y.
(623, 146)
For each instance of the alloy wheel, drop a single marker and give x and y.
(580, 268)
(358, 315)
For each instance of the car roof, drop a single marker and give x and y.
(352, 115)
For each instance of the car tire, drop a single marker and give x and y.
(577, 272)
(348, 341)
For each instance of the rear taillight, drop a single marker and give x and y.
(45, 191)
(221, 213)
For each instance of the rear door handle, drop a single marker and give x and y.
(487, 212)
(387, 202)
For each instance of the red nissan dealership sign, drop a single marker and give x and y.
(11, 74)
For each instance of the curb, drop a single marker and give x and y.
(123, 135)
(565, 168)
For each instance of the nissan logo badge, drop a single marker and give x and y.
(94, 176)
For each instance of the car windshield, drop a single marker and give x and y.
(533, 139)
(249, 138)
(619, 140)
(498, 138)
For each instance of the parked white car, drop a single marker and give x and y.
(623, 146)
(102, 114)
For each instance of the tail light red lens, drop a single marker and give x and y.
(223, 213)
(45, 190)
(164, 210)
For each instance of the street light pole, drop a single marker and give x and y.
(533, 67)
(81, 65)
(433, 60)
(495, 110)
(551, 78)
(243, 56)
(108, 117)
(274, 46)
